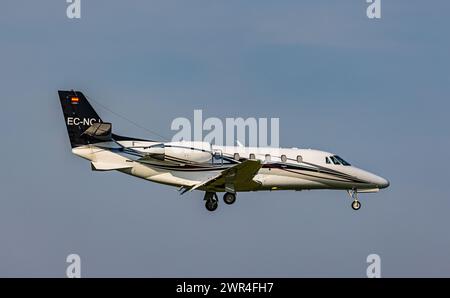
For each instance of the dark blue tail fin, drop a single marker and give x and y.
(79, 116)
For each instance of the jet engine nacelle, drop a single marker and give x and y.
(182, 152)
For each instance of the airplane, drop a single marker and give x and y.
(195, 165)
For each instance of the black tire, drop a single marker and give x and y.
(229, 198)
(211, 205)
(356, 205)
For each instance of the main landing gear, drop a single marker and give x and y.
(212, 202)
(229, 198)
(353, 193)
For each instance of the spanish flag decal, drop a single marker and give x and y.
(74, 100)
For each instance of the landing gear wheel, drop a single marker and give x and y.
(353, 193)
(229, 198)
(211, 201)
(211, 205)
(356, 205)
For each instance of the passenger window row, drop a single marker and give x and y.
(268, 157)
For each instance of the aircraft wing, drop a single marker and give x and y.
(241, 174)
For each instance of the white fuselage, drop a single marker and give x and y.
(185, 164)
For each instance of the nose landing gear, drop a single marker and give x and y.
(356, 205)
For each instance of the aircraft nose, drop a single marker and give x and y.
(385, 183)
(372, 179)
(381, 182)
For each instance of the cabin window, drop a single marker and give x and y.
(267, 157)
(252, 156)
(334, 160)
(299, 159)
(283, 158)
(236, 156)
(327, 160)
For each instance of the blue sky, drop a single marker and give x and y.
(374, 91)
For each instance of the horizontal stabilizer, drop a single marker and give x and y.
(99, 131)
(108, 166)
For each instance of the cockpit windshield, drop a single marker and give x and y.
(336, 160)
(341, 160)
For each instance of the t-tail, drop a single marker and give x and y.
(83, 123)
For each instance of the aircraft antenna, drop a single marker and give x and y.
(127, 119)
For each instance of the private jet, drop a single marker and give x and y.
(193, 165)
